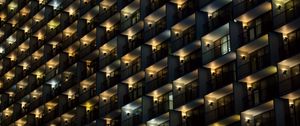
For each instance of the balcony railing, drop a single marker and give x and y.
(155, 29)
(110, 106)
(190, 93)
(254, 65)
(159, 108)
(220, 112)
(288, 14)
(187, 37)
(289, 85)
(224, 14)
(221, 80)
(134, 120)
(155, 83)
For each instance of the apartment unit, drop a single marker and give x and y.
(150, 62)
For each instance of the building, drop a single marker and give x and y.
(150, 62)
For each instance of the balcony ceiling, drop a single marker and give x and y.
(159, 38)
(290, 62)
(184, 24)
(220, 92)
(255, 12)
(227, 121)
(190, 105)
(157, 15)
(188, 49)
(158, 66)
(259, 109)
(187, 78)
(131, 8)
(160, 91)
(113, 20)
(259, 75)
(217, 33)
(134, 78)
(133, 30)
(221, 61)
(293, 95)
(289, 27)
(255, 45)
(215, 5)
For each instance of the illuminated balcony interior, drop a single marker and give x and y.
(183, 25)
(91, 14)
(71, 92)
(179, 3)
(11, 39)
(38, 17)
(106, 95)
(38, 112)
(288, 67)
(209, 39)
(21, 122)
(108, 47)
(89, 104)
(88, 83)
(259, 75)
(36, 94)
(12, 6)
(246, 50)
(157, 40)
(189, 106)
(53, 63)
(55, 81)
(289, 27)
(212, 97)
(133, 30)
(128, 59)
(10, 75)
(55, 4)
(131, 8)
(130, 109)
(159, 120)
(253, 13)
(214, 6)
(221, 61)
(134, 79)
(7, 112)
(72, 9)
(184, 52)
(68, 117)
(292, 96)
(40, 34)
(151, 71)
(159, 92)
(248, 115)
(180, 82)
(111, 22)
(51, 105)
(88, 38)
(73, 49)
(111, 67)
(54, 22)
(106, 4)
(22, 84)
(227, 121)
(3, 16)
(69, 31)
(154, 17)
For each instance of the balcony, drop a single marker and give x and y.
(192, 113)
(189, 57)
(285, 11)
(156, 75)
(219, 12)
(183, 33)
(134, 35)
(112, 26)
(292, 99)
(219, 104)
(111, 75)
(107, 8)
(131, 63)
(255, 27)
(156, 23)
(260, 86)
(233, 120)
(108, 101)
(288, 73)
(221, 76)
(159, 45)
(130, 15)
(133, 113)
(261, 115)
(254, 56)
(162, 100)
(135, 87)
(290, 38)
(184, 8)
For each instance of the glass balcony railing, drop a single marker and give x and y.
(289, 12)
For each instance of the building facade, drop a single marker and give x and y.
(150, 62)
